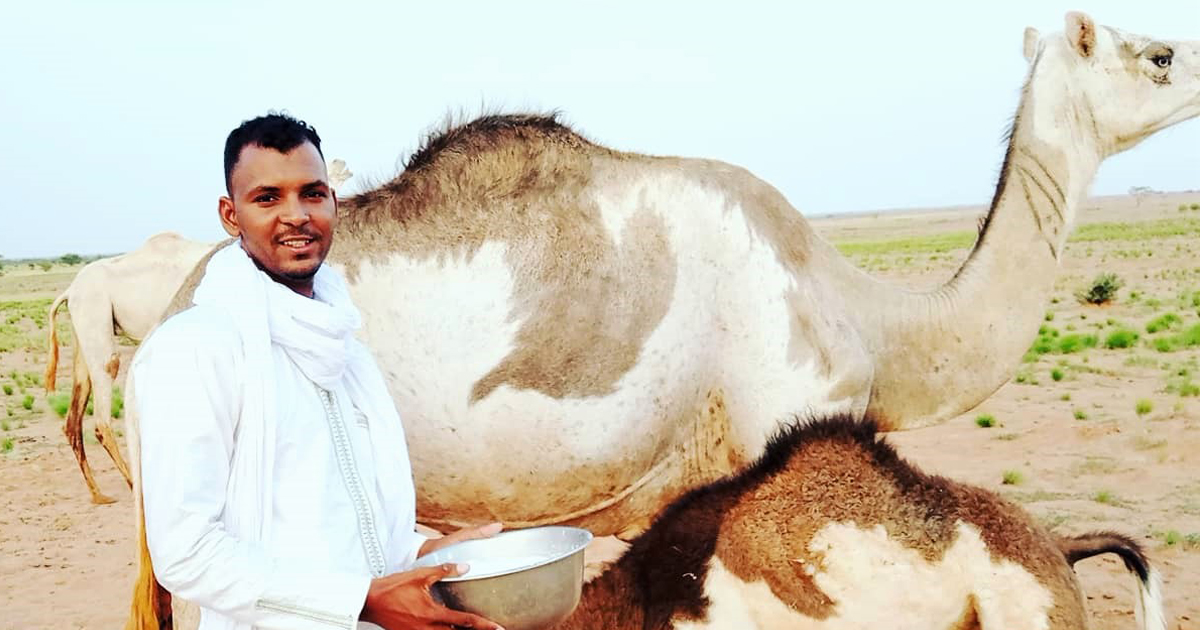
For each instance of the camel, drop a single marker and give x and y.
(129, 292)
(644, 323)
(832, 529)
(525, 290)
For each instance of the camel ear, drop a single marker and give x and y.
(1081, 33)
(1031, 42)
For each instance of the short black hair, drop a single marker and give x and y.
(277, 131)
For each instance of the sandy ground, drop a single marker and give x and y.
(68, 564)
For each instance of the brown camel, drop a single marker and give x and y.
(833, 530)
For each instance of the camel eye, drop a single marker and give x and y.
(1162, 61)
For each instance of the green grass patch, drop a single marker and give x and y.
(8, 390)
(930, 244)
(1012, 478)
(27, 402)
(1121, 339)
(1163, 322)
(6, 445)
(1070, 344)
(1173, 538)
(1143, 406)
(1081, 414)
(985, 421)
(1057, 374)
(1106, 497)
(1136, 231)
(1189, 338)
(59, 403)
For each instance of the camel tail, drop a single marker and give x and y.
(150, 608)
(1150, 612)
(151, 605)
(52, 366)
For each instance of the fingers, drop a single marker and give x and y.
(460, 619)
(429, 575)
(474, 533)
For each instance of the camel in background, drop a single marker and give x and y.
(128, 293)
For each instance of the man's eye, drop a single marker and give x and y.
(264, 199)
(317, 193)
(1162, 61)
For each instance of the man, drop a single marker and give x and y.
(275, 475)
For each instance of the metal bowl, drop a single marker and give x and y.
(524, 579)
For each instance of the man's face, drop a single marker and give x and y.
(281, 206)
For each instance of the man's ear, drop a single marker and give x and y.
(1081, 33)
(228, 216)
(1031, 43)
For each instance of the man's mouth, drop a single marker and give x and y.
(297, 242)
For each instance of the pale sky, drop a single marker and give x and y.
(113, 114)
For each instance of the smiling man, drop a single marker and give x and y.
(275, 474)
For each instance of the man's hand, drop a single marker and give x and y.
(470, 533)
(402, 601)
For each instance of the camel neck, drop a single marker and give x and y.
(977, 326)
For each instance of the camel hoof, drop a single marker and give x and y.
(101, 499)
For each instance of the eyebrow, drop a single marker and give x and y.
(316, 183)
(258, 190)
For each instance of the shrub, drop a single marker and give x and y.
(1056, 374)
(1049, 316)
(27, 403)
(70, 259)
(1012, 477)
(1143, 406)
(1104, 496)
(1080, 414)
(7, 445)
(1165, 321)
(1102, 290)
(1124, 338)
(985, 421)
(59, 403)
(7, 390)
(1069, 344)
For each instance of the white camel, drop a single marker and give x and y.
(128, 292)
(527, 291)
(587, 334)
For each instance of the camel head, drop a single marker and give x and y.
(1123, 86)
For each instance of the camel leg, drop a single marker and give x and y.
(103, 406)
(73, 427)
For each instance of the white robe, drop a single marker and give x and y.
(339, 514)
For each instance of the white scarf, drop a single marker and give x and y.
(318, 335)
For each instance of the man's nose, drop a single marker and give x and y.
(294, 213)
